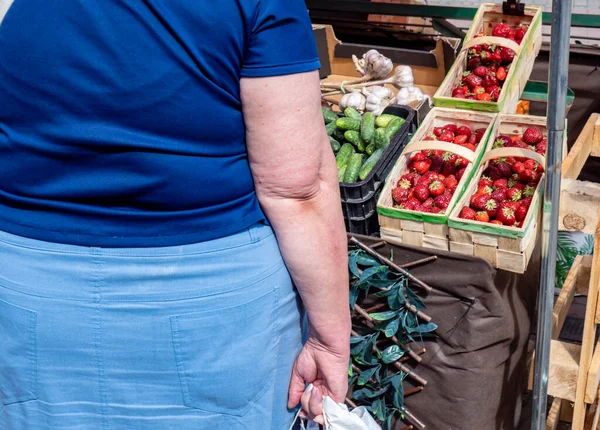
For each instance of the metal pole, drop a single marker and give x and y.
(557, 112)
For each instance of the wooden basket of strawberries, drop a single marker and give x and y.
(496, 60)
(431, 175)
(497, 219)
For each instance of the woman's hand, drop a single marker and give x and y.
(325, 368)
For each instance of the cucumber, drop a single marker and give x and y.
(369, 164)
(341, 173)
(352, 136)
(338, 134)
(371, 148)
(361, 145)
(335, 145)
(367, 127)
(352, 113)
(347, 124)
(383, 120)
(344, 154)
(330, 128)
(393, 126)
(328, 115)
(353, 168)
(381, 138)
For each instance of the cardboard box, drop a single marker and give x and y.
(429, 66)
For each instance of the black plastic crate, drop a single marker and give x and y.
(368, 225)
(360, 199)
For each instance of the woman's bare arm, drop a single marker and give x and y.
(297, 186)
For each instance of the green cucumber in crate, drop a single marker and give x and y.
(352, 113)
(335, 145)
(369, 164)
(370, 149)
(344, 154)
(393, 127)
(341, 173)
(353, 168)
(367, 127)
(384, 119)
(381, 138)
(328, 115)
(348, 124)
(331, 128)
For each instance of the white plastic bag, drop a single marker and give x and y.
(338, 417)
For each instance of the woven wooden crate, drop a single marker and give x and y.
(487, 16)
(506, 248)
(401, 226)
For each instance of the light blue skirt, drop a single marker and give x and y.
(198, 336)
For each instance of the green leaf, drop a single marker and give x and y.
(366, 375)
(398, 398)
(587, 248)
(388, 421)
(392, 328)
(423, 328)
(391, 354)
(373, 271)
(368, 393)
(414, 299)
(352, 265)
(354, 292)
(365, 259)
(383, 316)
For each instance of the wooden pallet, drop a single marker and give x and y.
(575, 391)
(580, 200)
(522, 66)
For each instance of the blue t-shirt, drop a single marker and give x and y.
(121, 122)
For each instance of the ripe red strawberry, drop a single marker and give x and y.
(499, 195)
(485, 182)
(435, 210)
(519, 186)
(484, 190)
(404, 183)
(419, 156)
(507, 55)
(460, 93)
(526, 202)
(496, 56)
(472, 81)
(518, 167)
(436, 188)
(479, 134)
(540, 148)
(530, 164)
(484, 97)
(478, 90)
(513, 180)
(492, 172)
(482, 217)
(528, 175)
(462, 163)
(449, 169)
(467, 213)
(464, 130)
(469, 146)
(460, 173)
(421, 166)
(421, 192)
(436, 164)
(412, 177)
(494, 92)
(428, 203)
(446, 136)
(473, 63)
(400, 195)
(492, 68)
(520, 34)
(411, 204)
(460, 139)
(501, 183)
(478, 201)
(438, 131)
(473, 139)
(506, 214)
(442, 201)
(502, 141)
(471, 97)
(532, 136)
(501, 30)
(501, 74)
(489, 81)
(451, 128)
(529, 190)
(513, 194)
(450, 182)
(480, 71)
(521, 213)
(491, 207)
(495, 221)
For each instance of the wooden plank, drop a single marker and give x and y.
(596, 139)
(412, 225)
(438, 243)
(589, 336)
(436, 230)
(515, 262)
(579, 204)
(593, 379)
(413, 238)
(554, 414)
(563, 370)
(565, 298)
(462, 248)
(580, 151)
(487, 253)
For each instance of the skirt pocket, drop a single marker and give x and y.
(225, 357)
(18, 354)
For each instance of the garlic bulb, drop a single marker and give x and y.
(403, 77)
(355, 100)
(414, 94)
(402, 96)
(378, 66)
(380, 91)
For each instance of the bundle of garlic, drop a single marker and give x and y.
(370, 92)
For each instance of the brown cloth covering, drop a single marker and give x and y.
(477, 367)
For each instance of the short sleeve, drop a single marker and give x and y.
(282, 40)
